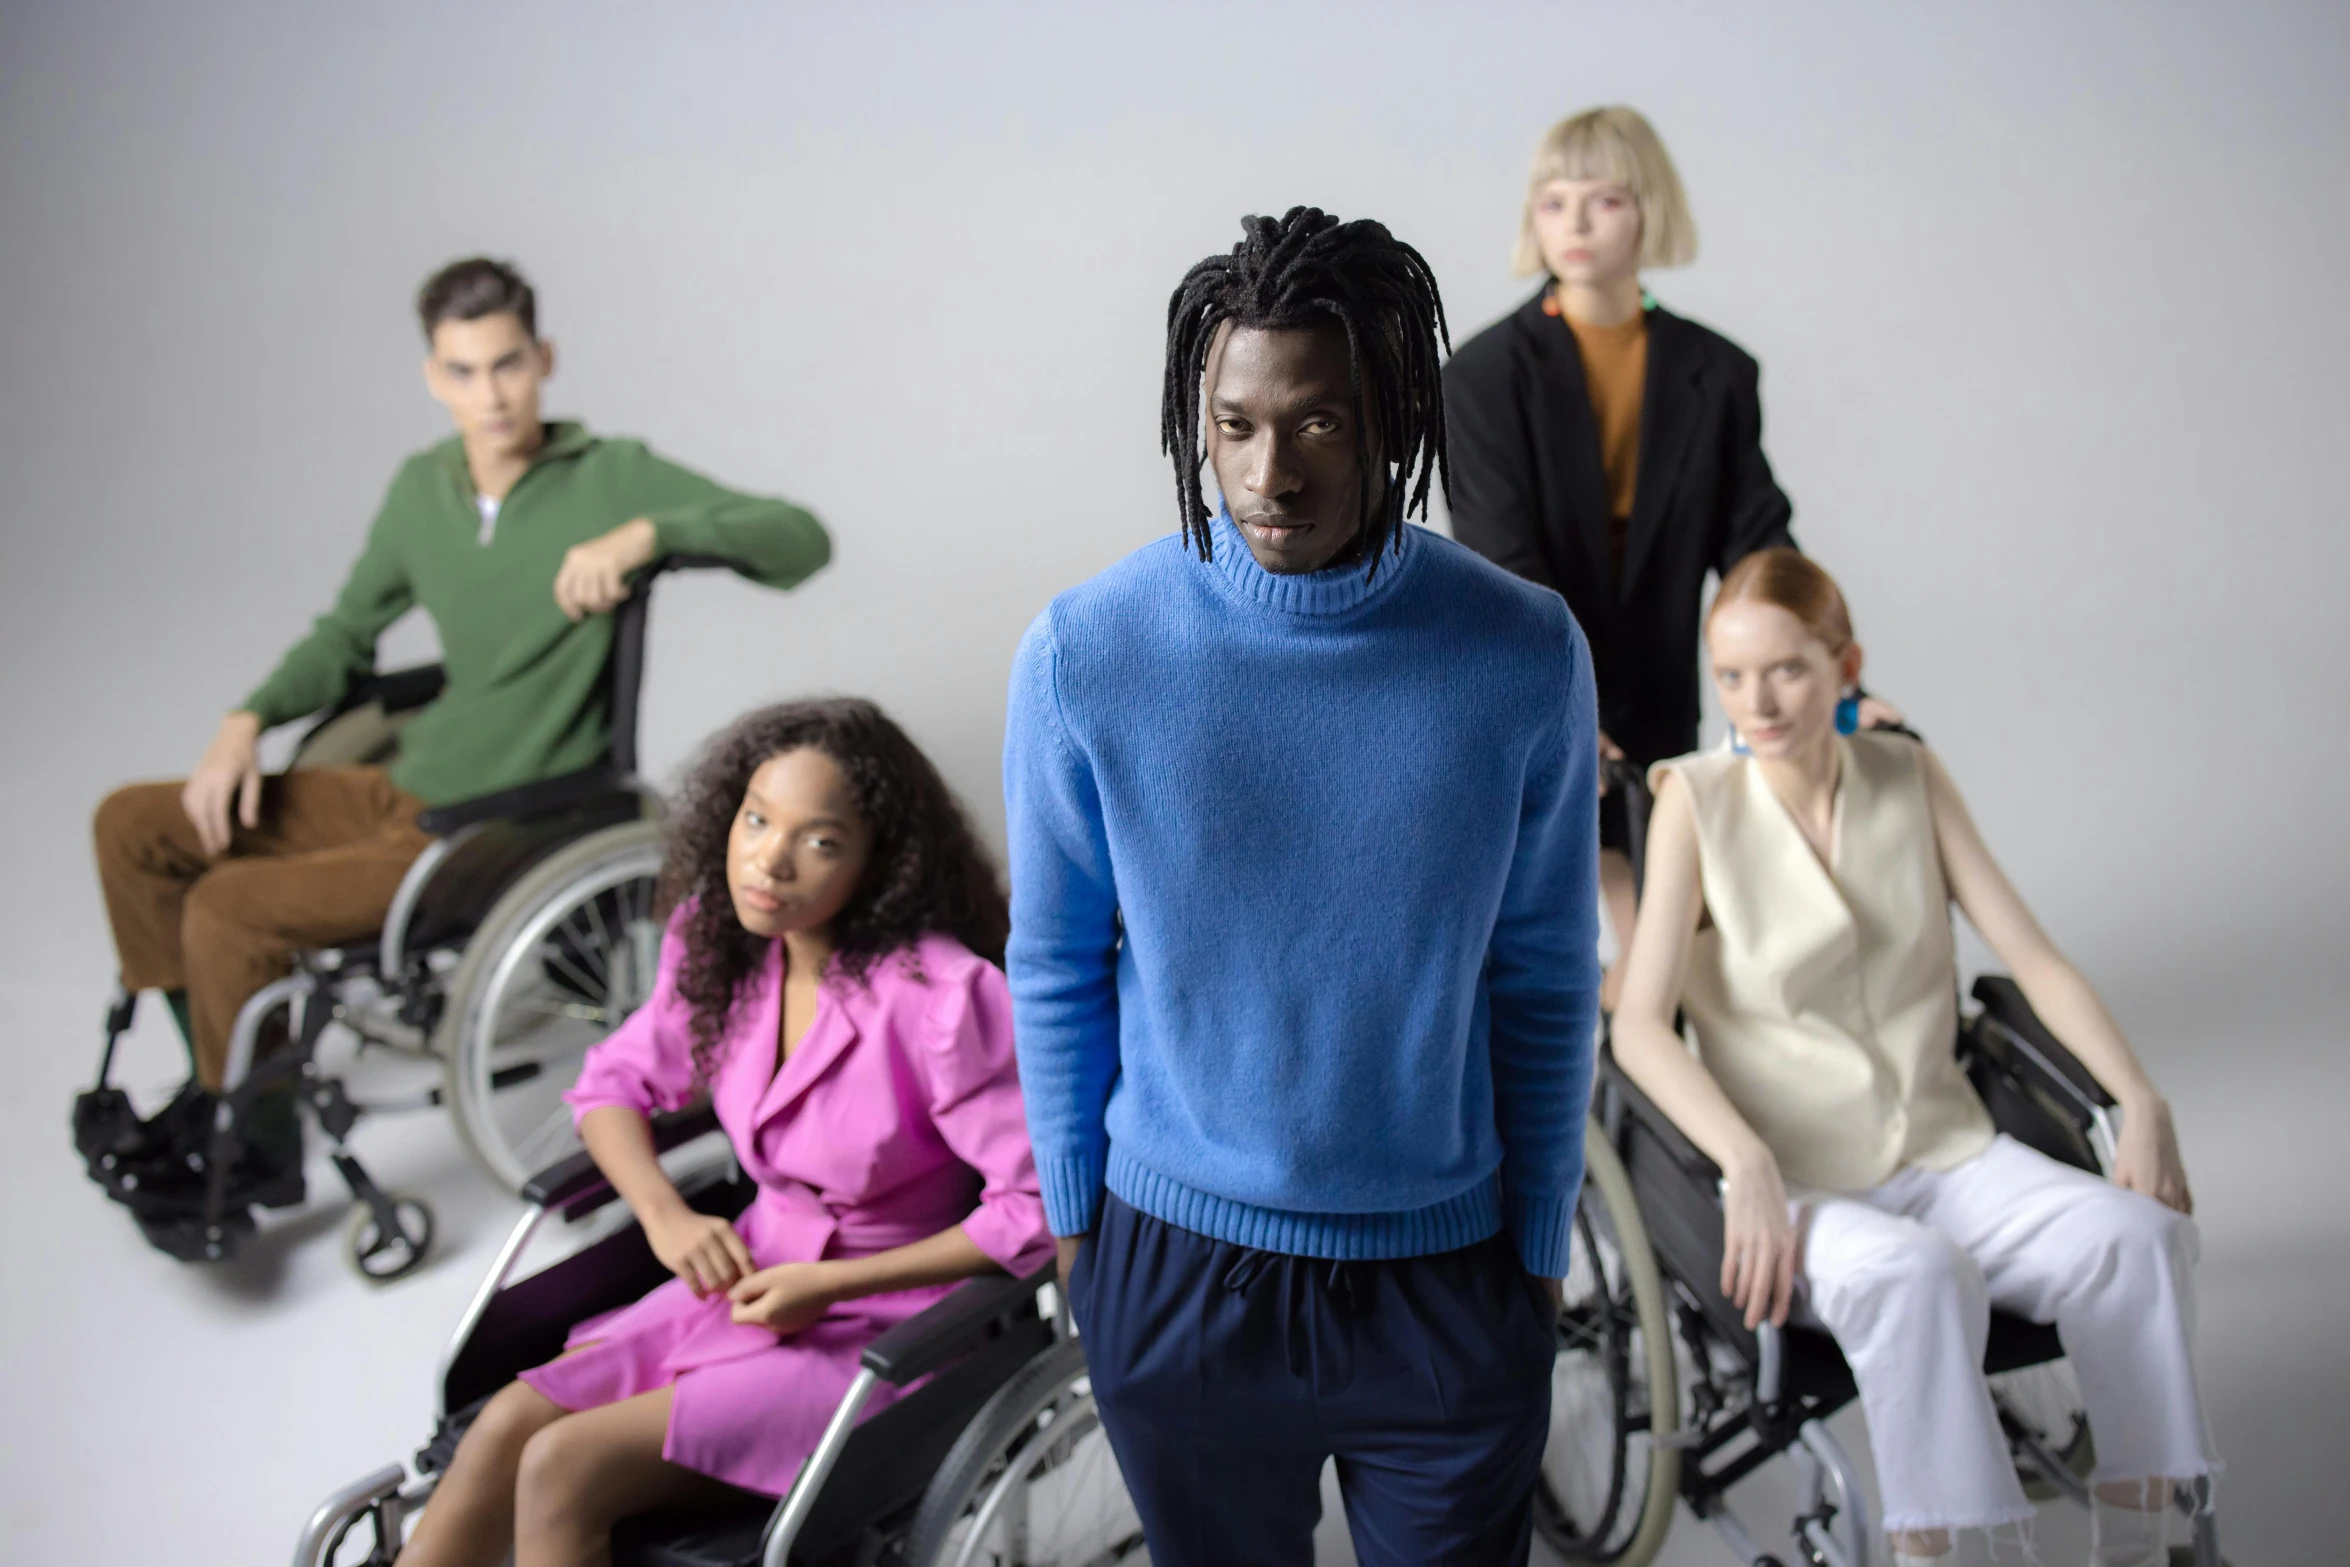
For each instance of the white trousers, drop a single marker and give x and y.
(1905, 1277)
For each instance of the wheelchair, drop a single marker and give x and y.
(522, 935)
(994, 1458)
(1661, 1392)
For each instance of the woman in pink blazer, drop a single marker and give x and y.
(829, 979)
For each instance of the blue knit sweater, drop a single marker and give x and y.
(1304, 900)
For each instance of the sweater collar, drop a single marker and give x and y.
(564, 438)
(1334, 590)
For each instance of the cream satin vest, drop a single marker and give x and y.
(1826, 1005)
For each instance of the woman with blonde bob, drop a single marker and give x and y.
(1796, 909)
(1607, 448)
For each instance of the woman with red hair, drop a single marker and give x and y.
(1796, 909)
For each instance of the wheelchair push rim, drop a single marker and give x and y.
(1032, 1481)
(1608, 1484)
(562, 960)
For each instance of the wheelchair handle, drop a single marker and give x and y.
(1629, 780)
(624, 674)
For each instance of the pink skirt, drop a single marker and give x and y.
(748, 1408)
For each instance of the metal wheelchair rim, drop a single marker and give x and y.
(1033, 1479)
(476, 1063)
(1075, 1421)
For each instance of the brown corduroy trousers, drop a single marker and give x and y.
(320, 869)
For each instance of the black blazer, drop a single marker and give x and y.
(1529, 493)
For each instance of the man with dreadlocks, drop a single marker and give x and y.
(1303, 847)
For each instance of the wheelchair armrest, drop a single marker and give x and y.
(2020, 1042)
(1692, 1159)
(396, 690)
(918, 1345)
(524, 801)
(578, 1187)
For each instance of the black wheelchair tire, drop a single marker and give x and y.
(374, 1259)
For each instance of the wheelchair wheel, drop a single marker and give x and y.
(1608, 1484)
(381, 1258)
(1030, 1481)
(558, 963)
(2045, 1400)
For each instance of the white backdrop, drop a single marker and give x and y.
(2046, 297)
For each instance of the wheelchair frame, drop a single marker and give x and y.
(481, 848)
(854, 1498)
(1782, 1385)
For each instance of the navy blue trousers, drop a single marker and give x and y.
(1227, 1376)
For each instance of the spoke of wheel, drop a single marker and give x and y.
(566, 1011)
(595, 912)
(521, 1024)
(594, 943)
(550, 1135)
(555, 955)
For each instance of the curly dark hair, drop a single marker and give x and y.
(926, 872)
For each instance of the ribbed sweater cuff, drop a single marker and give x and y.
(1072, 1192)
(1543, 1228)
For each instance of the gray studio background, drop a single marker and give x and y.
(2054, 341)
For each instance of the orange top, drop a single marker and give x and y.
(1615, 375)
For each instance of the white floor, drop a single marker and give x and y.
(179, 1415)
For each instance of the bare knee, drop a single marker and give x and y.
(555, 1487)
(508, 1421)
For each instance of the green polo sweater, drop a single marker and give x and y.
(524, 698)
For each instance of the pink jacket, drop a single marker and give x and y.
(898, 1116)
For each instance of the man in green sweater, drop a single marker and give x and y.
(518, 537)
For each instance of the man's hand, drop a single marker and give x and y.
(701, 1249)
(229, 772)
(1556, 1289)
(1065, 1253)
(594, 576)
(785, 1298)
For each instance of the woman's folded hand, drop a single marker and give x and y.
(1758, 1240)
(699, 1248)
(785, 1298)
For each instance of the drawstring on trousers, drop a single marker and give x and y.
(1339, 1282)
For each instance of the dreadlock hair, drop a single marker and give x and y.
(926, 871)
(1305, 269)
